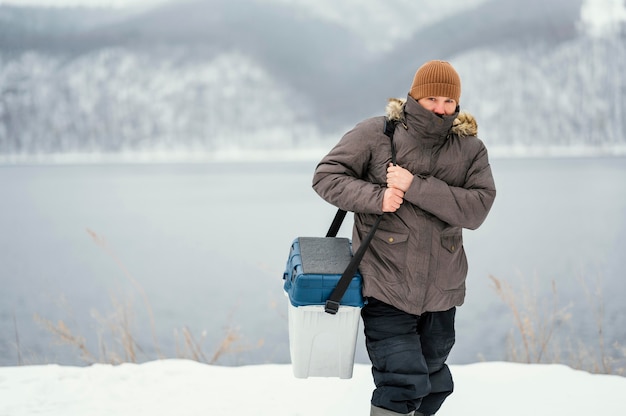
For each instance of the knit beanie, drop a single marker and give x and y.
(436, 79)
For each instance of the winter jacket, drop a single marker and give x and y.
(416, 261)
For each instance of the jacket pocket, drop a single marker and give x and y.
(386, 256)
(452, 263)
(392, 238)
(452, 242)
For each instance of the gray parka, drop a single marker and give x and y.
(416, 261)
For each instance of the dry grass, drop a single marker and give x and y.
(116, 332)
(64, 335)
(102, 243)
(542, 332)
(18, 347)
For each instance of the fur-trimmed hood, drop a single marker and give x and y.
(464, 125)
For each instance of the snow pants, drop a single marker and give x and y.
(408, 355)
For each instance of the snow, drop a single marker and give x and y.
(190, 388)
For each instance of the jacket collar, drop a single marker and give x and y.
(410, 113)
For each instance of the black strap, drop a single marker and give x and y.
(332, 304)
(334, 227)
(390, 128)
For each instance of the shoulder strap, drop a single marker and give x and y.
(389, 129)
(334, 227)
(332, 304)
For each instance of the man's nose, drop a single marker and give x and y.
(439, 109)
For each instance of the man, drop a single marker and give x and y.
(415, 267)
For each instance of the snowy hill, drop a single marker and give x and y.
(209, 76)
(189, 388)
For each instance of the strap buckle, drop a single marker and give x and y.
(331, 307)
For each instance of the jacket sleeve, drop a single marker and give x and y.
(465, 206)
(341, 176)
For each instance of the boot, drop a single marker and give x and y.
(379, 411)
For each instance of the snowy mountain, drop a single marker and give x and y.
(209, 76)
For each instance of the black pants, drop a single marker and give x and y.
(408, 354)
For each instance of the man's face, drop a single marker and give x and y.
(439, 105)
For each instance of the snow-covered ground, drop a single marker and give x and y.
(181, 387)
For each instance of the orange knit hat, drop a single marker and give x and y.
(436, 79)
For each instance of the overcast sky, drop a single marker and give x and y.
(59, 3)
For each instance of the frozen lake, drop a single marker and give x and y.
(203, 247)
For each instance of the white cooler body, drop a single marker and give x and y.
(321, 344)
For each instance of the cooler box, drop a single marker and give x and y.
(321, 344)
(313, 269)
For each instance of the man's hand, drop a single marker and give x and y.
(399, 178)
(392, 199)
